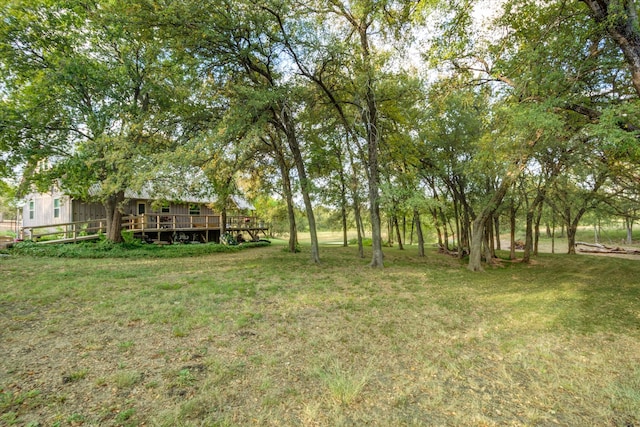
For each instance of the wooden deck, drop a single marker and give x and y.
(152, 227)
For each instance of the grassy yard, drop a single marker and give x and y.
(262, 337)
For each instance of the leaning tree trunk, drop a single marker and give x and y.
(113, 208)
(305, 184)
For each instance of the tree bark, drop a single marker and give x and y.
(359, 227)
(223, 221)
(397, 229)
(291, 213)
(536, 230)
(287, 191)
(512, 231)
(571, 238)
(113, 208)
(496, 227)
(286, 123)
(528, 239)
(343, 209)
(416, 217)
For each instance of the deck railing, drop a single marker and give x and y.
(80, 230)
(83, 230)
(156, 222)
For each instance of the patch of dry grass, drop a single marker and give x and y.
(262, 337)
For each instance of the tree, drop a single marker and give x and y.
(359, 36)
(94, 86)
(620, 19)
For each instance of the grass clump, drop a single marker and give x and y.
(344, 386)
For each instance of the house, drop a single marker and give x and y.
(54, 215)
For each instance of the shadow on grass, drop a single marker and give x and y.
(578, 293)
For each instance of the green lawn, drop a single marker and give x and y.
(262, 337)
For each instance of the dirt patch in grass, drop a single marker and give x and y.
(262, 337)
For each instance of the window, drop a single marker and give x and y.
(56, 208)
(32, 209)
(166, 208)
(194, 209)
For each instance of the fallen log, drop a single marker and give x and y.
(604, 249)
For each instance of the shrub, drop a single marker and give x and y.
(134, 249)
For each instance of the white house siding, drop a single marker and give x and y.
(44, 209)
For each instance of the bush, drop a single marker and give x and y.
(134, 249)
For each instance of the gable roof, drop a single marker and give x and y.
(147, 192)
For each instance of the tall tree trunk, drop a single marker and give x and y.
(536, 230)
(458, 230)
(445, 233)
(553, 233)
(488, 240)
(571, 238)
(528, 239)
(370, 121)
(305, 184)
(356, 200)
(343, 208)
(629, 226)
(413, 225)
(436, 222)
(512, 231)
(496, 227)
(223, 221)
(343, 214)
(287, 191)
(359, 228)
(475, 250)
(416, 218)
(397, 228)
(113, 208)
(491, 246)
(404, 227)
